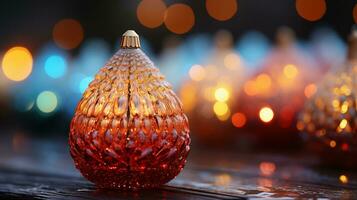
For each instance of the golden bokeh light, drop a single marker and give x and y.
(188, 97)
(311, 10)
(179, 18)
(343, 179)
(150, 13)
(332, 143)
(343, 123)
(224, 117)
(266, 114)
(220, 108)
(239, 119)
(263, 83)
(344, 107)
(197, 73)
(68, 33)
(221, 94)
(221, 10)
(310, 90)
(290, 71)
(17, 63)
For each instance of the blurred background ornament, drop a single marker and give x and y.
(212, 88)
(276, 92)
(129, 130)
(328, 48)
(329, 119)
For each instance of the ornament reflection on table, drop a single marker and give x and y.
(129, 130)
(213, 87)
(275, 94)
(329, 119)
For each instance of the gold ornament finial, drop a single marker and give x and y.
(130, 39)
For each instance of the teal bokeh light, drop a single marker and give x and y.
(55, 66)
(84, 83)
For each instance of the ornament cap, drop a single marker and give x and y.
(130, 39)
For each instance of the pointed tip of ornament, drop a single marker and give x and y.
(130, 39)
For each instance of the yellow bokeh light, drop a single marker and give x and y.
(221, 94)
(345, 90)
(17, 63)
(335, 103)
(344, 107)
(343, 123)
(197, 73)
(47, 101)
(220, 108)
(290, 71)
(266, 114)
(343, 179)
(224, 117)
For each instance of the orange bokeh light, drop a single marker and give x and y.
(222, 10)
(267, 168)
(354, 13)
(310, 90)
(150, 13)
(239, 120)
(311, 10)
(250, 89)
(68, 33)
(17, 63)
(179, 18)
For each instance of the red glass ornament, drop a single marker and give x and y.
(129, 130)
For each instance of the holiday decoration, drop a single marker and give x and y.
(211, 90)
(129, 130)
(329, 119)
(275, 94)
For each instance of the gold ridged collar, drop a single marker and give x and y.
(130, 39)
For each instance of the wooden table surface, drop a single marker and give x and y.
(43, 169)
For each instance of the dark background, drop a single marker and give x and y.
(30, 22)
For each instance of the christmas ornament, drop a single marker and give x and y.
(274, 95)
(329, 119)
(129, 130)
(211, 90)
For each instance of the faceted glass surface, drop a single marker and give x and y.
(330, 116)
(129, 130)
